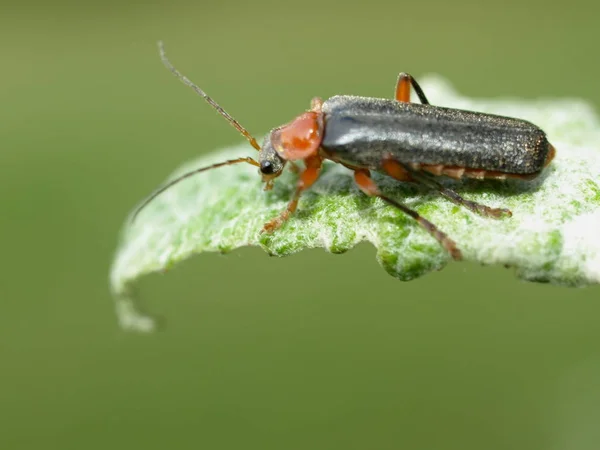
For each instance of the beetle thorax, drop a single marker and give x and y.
(299, 139)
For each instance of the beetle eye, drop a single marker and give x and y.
(266, 167)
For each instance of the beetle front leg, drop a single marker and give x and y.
(306, 180)
(405, 81)
(363, 179)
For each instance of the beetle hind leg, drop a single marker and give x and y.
(363, 179)
(405, 81)
(393, 168)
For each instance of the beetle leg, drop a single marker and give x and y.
(294, 167)
(316, 104)
(393, 168)
(306, 180)
(405, 81)
(363, 179)
(484, 210)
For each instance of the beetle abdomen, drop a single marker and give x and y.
(361, 131)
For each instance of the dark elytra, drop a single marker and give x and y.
(359, 130)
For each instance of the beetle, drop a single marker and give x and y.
(407, 141)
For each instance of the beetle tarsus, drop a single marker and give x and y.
(478, 208)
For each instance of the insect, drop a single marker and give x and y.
(414, 142)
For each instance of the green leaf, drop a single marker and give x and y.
(553, 235)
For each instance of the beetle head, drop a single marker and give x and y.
(298, 140)
(271, 164)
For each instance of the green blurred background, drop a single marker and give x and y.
(313, 351)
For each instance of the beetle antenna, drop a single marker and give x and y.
(211, 102)
(187, 175)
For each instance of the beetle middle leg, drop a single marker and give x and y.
(401, 172)
(405, 81)
(363, 179)
(306, 180)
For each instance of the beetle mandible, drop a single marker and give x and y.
(407, 141)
